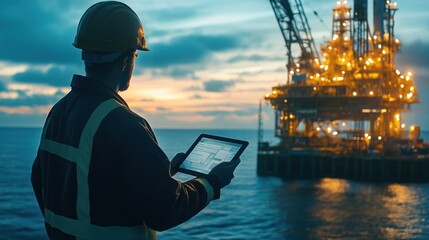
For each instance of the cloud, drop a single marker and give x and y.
(218, 85)
(192, 88)
(147, 100)
(3, 87)
(162, 109)
(196, 96)
(31, 100)
(182, 73)
(169, 14)
(189, 49)
(177, 73)
(37, 32)
(414, 54)
(253, 58)
(55, 76)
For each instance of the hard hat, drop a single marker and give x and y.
(109, 27)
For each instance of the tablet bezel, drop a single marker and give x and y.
(244, 144)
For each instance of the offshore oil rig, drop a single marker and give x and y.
(340, 113)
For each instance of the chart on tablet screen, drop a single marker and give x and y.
(208, 153)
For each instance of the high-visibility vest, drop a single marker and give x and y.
(82, 227)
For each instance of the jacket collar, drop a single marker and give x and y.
(96, 86)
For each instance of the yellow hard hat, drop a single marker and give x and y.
(110, 27)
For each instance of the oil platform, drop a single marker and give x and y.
(340, 112)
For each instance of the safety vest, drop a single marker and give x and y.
(82, 227)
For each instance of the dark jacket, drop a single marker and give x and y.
(129, 175)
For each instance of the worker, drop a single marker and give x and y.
(99, 172)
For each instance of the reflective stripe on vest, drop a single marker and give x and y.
(82, 227)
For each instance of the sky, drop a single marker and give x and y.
(210, 62)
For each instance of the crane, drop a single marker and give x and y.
(301, 53)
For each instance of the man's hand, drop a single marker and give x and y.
(175, 162)
(224, 172)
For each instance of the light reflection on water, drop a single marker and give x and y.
(402, 204)
(341, 209)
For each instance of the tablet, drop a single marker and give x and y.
(208, 151)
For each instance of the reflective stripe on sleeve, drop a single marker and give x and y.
(208, 187)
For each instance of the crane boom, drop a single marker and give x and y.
(296, 33)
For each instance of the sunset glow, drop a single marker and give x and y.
(209, 66)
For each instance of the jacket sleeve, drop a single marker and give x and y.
(162, 201)
(36, 181)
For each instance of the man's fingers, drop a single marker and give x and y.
(232, 163)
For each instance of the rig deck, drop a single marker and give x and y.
(341, 115)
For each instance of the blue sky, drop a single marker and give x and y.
(210, 61)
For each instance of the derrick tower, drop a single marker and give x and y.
(351, 98)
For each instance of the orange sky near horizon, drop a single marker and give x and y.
(209, 66)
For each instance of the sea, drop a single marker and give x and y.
(252, 207)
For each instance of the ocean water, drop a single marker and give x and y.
(251, 207)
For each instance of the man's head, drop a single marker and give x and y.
(109, 33)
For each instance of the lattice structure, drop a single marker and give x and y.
(351, 100)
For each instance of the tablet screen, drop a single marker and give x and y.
(208, 153)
